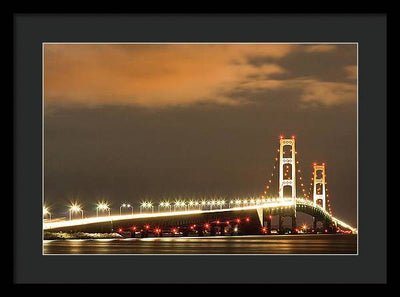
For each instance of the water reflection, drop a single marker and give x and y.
(274, 244)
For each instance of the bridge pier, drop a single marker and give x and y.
(269, 219)
(200, 230)
(315, 224)
(281, 224)
(213, 231)
(294, 224)
(327, 226)
(238, 232)
(185, 232)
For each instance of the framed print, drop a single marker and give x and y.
(185, 143)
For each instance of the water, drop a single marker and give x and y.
(257, 244)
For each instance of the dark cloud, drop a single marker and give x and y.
(330, 65)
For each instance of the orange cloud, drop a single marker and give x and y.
(151, 75)
(352, 72)
(310, 90)
(328, 93)
(177, 74)
(320, 48)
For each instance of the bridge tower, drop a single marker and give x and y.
(319, 180)
(284, 161)
(291, 181)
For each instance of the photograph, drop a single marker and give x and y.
(200, 148)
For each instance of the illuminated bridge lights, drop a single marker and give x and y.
(75, 208)
(103, 207)
(45, 210)
(271, 203)
(144, 206)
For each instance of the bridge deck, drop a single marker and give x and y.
(272, 204)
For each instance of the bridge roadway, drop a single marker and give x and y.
(258, 215)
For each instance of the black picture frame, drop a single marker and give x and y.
(30, 30)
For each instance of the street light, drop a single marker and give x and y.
(180, 204)
(168, 204)
(177, 204)
(212, 203)
(46, 212)
(150, 205)
(125, 205)
(183, 204)
(102, 206)
(146, 205)
(164, 204)
(73, 208)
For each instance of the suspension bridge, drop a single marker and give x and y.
(286, 194)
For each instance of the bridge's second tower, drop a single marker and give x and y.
(284, 161)
(319, 184)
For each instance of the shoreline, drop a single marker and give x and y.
(79, 235)
(82, 235)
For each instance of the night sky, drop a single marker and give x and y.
(135, 122)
